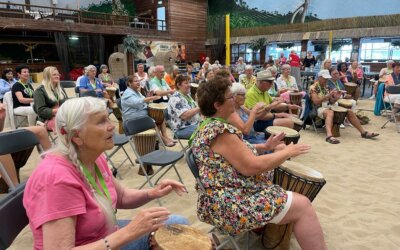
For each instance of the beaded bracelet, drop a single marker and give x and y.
(108, 247)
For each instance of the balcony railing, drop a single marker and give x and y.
(34, 12)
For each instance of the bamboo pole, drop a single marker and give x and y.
(227, 40)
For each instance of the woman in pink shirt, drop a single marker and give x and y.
(71, 197)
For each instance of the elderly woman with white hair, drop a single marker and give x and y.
(48, 97)
(248, 79)
(244, 118)
(240, 65)
(71, 197)
(89, 82)
(286, 84)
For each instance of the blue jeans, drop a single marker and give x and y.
(186, 132)
(143, 243)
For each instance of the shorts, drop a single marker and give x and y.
(261, 125)
(278, 218)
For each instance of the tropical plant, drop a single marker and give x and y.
(119, 9)
(395, 43)
(258, 44)
(285, 45)
(337, 44)
(132, 45)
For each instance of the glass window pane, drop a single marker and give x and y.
(242, 48)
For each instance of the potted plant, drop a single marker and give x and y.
(259, 44)
(132, 47)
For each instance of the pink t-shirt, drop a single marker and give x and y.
(56, 190)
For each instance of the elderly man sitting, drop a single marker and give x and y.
(259, 93)
(322, 98)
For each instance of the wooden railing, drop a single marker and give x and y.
(34, 12)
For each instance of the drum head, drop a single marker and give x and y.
(338, 109)
(111, 88)
(345, 102)
(176, 236)
(351, 84)
(296, 120)
(158, 105)
(295, 93)
(302, 171)
(274, 130)
(194, 85)
(149, 132)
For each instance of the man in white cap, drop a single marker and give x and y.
(322, 98)
(259, 93)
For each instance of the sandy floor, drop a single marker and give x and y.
(358, 207)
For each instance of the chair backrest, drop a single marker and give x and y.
(8, 101)
(13, 216)
(138, 125)
(67, 84)
(193, 168)
(17, 140)
(393, 90)
(91, 93)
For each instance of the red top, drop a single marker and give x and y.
(294, 60)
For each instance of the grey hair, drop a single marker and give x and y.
(103, 66)
(284, 66)
(151, 70)
(237, 88)
(247, 67)
(214, 67)
(89, 68)
(324, 61)
(71, 117)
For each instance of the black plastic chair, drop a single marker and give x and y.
(391, 90)
(119, 142)
(190, 160)
(13, 216)
(68, 84)
(19, 143)
(163, 158)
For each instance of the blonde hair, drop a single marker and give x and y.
(71, 117)
(48, 85)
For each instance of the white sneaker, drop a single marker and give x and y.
(372, 97)
(342, 126)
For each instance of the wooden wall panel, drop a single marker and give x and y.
(188, 25)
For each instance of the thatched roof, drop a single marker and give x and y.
(358, 27)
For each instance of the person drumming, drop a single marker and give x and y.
(322, 98)
(71, 197)
(239, 193)
(259, 93)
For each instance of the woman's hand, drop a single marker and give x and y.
(147, 220)
(258, 108)
(171, 91)
(164, 187)
(297, 149)
(274, 141)
(155, 97)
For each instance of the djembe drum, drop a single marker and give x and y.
(111, 92)
(295, 98)
(176, 236)
(298, 178)
(117, 113)
(291, 135)
(298, 124)
(345, 103)
(145, 143)
(340, 114)
(156, 111)
(193, 90)
(350, 88)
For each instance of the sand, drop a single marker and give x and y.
(358, 207)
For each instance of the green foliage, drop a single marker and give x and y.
(285, 45)
(395, 43)
(124, 7)
(244, 17)
(132, 45)
(258, 44)
(103, 7)
(337, 44)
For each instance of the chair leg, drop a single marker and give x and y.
(127, 155)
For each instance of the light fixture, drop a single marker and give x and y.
(73, 38)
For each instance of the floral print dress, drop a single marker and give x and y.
(233, 202)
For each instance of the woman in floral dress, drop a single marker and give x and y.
(239, 193)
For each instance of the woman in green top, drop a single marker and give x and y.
(49, 97)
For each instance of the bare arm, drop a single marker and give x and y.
(243, 160)
(187, 115)
(22, 99)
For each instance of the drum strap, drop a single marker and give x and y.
(203, 124)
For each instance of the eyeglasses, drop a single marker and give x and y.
(229, 97)
(241, 94)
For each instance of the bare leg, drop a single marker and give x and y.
(354, 121)
(307, 228)
(285, 122)
(357, 93)
(328, 115)
(8, 164)
(375, 91)
(164, 134)
(42, 135)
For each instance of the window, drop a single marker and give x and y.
(161, 23)
(243, 50)
(274, 52)
(342, 54)
(375, 51)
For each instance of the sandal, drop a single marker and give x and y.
(367, 135)
(332, 140)
(170, 144)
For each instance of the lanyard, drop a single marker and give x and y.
(89, 176)
(203, 124)
(27, 90)
(337, 85)
(189, 99)
(323, 91)
(94, 86)
(287, 80)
